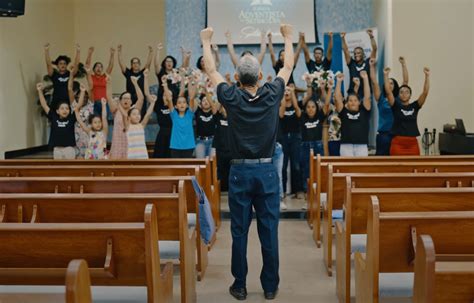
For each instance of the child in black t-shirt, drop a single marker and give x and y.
(405, 116)
(355, 118)
(311, 122)
(62, 127)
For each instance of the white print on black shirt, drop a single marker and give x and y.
(205, 119)
(408, 112)
(309, 125)
(253, 99)
(353, 117)
(289, 112)
(224, 123)
(359, 68)
(62, 123)
(165, 111)
(61, 79)
(318, 67)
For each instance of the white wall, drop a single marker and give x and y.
(438, 34)
(102, 23)
(22, 65)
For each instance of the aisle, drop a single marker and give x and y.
(302, 274)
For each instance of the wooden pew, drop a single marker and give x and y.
(318, 172)
(337, 187)
(119, 254)
(78, 282)
(98, 185)
(113, 208)
(440, 280)
(391, 200)
(391, 238)
(212, 191)
(376, 167)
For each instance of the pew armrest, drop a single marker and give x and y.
(340, 261)
(166, 290)
(363, 291)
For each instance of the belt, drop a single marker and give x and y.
(251, 161)
(205, 138)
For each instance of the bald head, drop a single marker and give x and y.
(248, 70)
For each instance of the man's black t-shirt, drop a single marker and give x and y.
(253, 120)
(279, 65)
(60, 92)
(405, 119)
(141, 82)
(221, 135)
(289, 123)
(312, 128)
(205, 125)
(355, 126)
(314, 67)
(354, 72)
(62, 130)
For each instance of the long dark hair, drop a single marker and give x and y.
(396, 88)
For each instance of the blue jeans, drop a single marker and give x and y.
(98, 110)
(334, 148)
(278, 162)
(383, 142)
(203, 148)
(291, 143)
(318, 148)
(254, 185)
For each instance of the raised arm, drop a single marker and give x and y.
(149, 58)
(77, 60)
(110, 100)
(186, 54)
(298, 47)
(327, 97)
(90, 51)
(307, 55)
(426, 87)
(373, 54)
(282, 109)
(156, 61)
(404, 70)
(111, 61)
(123, 67)
(217, 55)
(105, 123)
(182, 88)
(374, 80)
(44, 104)
(345, 48)
(78, 107)
(192, 91)
(149, 111)
(206, 37)
(338, 98)
(263, 47)
(271, 50)
(356, 85)
(294, 102)
(167, 94)
(70, 89)
(287, 33)
(146, 85)
(230, 49)
(47, 58)
(388, 89)
(138, 90)
(367, 100)
(330, 46)
(89, 78)
(309, 89)
(214, 105)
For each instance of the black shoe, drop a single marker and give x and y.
(270, 295)
(238, 293)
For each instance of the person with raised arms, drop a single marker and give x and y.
(405, 116)
(253, 114)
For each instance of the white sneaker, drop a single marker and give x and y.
(305, 206)
(283, 206)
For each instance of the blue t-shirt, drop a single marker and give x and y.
(182, 133)
(385, 114)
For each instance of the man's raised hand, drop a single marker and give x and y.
(286, 30)
(206, 34)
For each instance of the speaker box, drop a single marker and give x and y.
(12, 8)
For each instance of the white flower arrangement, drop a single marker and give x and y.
(320, 79)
